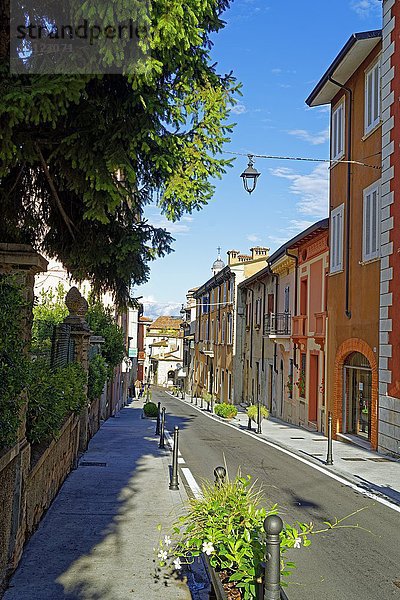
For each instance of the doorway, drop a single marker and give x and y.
(358, 388)
(313, 389)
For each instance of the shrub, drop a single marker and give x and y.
(252, 412)
(97, 377)
(227, 523)
(227, 411)
(52, 397)
(13, 362)
(102, 322)
(207, 397)
(150, 409)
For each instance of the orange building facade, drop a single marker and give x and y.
(352, 87)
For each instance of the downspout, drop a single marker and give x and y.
(251, 329)
(276, 310)
(348, 215)
(295, 297)
(263, 324)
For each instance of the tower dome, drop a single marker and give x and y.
(218, 264)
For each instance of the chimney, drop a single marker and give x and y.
(233, 257)
(259, 252)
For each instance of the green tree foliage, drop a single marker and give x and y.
(48, 312)
(97, 376)
(64, 139)
(102, 322)
(12, 359)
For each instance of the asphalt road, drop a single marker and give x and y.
(344, 564)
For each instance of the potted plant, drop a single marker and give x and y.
(226, 525)
(226, 411)
(150, 410)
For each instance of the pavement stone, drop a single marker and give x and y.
(96, 540)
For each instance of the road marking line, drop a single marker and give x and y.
(338, 478)
(170, 441)
(192, 483)
(181, 460)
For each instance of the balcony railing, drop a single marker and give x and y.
(299, 326)
(320, 326)
(277, 324)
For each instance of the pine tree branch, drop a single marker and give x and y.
(56, 197)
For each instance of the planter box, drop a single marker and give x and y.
(219, 590)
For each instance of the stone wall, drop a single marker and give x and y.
(8, 475)
(48, 474)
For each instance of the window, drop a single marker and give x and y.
(371, 222)
(248, 314)
(336, 239)
(258, 313)
(205, 304)
(231, 291)
(337, 132)
(372, 108)
(230, 328)
(287, 299)
(225, 291)
(223, 329)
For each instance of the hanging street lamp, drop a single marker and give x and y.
(250, 176)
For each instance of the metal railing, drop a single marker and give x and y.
(277, 324)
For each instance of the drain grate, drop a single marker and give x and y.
(297, 438)
(354, 458)
(317, 455)
(87, 463)
(380, 460)
(319, 439)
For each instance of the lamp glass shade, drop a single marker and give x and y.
(250, 176)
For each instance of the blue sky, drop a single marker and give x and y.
(278, 51)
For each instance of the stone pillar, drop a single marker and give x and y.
(80, 334)
(20, 260)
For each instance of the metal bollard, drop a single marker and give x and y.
(259, 417)
(273, 526)
(158, 418)
(329, 456)
(201, 405)
(249, 425)
(220, 476)
(174, 483)
(162, 429)
(212, 404)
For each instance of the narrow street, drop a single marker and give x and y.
(345, 564)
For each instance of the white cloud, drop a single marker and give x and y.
(252, 237)
(313, 189)
(365, 8)
(313, 138)
(154, 309)
(174, 228)
(239, 109)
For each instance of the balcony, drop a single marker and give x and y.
(320, 328)
(277, 325)
(207, 348)
(299, 334)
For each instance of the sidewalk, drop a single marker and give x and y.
(369, 470)
(96, 540)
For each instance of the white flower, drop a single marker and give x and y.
(297, 543)
(167, 540)
(208, 548)
(177, 564)
(162, 555)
